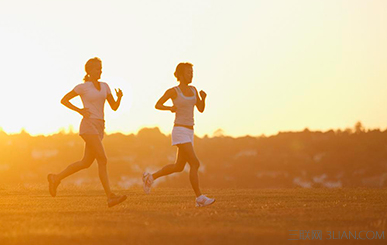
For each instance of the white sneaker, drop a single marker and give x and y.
(203, 201)
(147, 180)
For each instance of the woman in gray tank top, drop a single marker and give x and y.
(184, 98)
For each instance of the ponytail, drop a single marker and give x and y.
(86, 78)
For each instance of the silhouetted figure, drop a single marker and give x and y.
(184, 99)
(93, 94)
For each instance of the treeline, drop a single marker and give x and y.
(351, 158)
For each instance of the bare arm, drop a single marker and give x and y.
(200, 102)
(66, 102)
(169, 94)
(114, 104)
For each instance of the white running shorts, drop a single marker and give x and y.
(92, 126)
(181, 135)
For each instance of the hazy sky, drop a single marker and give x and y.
(267, 66)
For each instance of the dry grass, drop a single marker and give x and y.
(79, 215)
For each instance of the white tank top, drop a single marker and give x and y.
(184, 114)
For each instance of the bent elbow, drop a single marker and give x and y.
(114, 107)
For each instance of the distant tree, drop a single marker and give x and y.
(218, 133)
(359, 128)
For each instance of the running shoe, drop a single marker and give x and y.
(203, 201)
(113, 200)
(147, 180)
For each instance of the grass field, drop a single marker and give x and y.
(79, 215)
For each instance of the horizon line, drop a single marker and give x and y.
(217, 133)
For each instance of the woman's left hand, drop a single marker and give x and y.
(119, 93)
(203, 94)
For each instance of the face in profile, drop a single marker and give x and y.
(188, 74)
(95, 71)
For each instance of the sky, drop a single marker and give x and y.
(267, 66)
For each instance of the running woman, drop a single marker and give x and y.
(184, 98)
(93, 95)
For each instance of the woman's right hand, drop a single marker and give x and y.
(85, 112)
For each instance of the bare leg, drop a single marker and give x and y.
(188, 153)
(172, 168)
(88, 159)
(95, 144)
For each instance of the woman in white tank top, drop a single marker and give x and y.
(93, 94)
(184, 98)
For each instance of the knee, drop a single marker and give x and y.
(195, 164)
(102, 160)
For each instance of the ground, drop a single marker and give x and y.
(79, 215)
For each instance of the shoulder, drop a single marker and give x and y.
(80, 87)
(105, 85)
(171, 92)
(193, 87)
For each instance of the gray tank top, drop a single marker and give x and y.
(184, 114)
